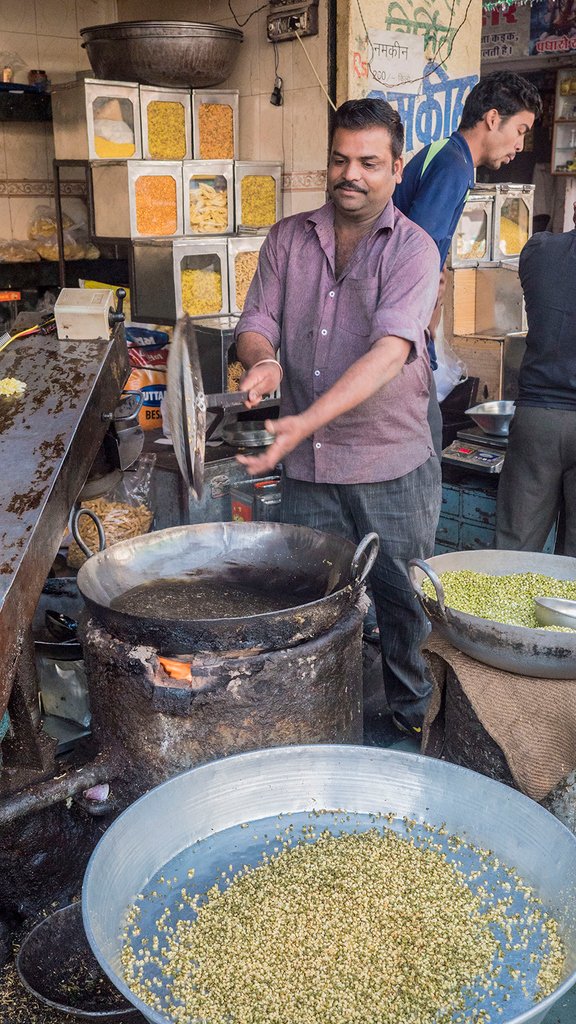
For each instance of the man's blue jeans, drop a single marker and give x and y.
(404, 513)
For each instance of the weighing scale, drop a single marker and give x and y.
(475, 450)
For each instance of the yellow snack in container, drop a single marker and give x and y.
(258, 197)
(201, 292)
(166, 130)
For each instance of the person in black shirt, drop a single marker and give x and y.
(539, 472)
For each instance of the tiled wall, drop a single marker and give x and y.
(295, 133)
(44, 34)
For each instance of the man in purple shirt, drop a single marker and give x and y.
(344, 294)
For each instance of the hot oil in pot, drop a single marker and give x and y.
(202, 594)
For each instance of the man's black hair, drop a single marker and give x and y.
(504, 91)
(354, 115)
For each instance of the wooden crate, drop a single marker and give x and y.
(483, 357)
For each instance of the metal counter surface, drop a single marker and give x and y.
(48, 440)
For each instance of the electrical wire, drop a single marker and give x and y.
(24, 334)
(246, 20)
(332, 104)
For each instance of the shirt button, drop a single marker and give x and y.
(318, 445)
(316, 373)
(331, 294)
(323, 332)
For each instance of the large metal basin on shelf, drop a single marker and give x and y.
(217, 799)
(527, 652)
(172, 53)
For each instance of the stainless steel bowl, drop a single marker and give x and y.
(555, 611)
(493, 417)
(247, 434)
(215, 799)
(176, 53)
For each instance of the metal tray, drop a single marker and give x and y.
(193, 811)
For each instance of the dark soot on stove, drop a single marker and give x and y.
(202, 594)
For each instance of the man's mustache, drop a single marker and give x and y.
(351, 187)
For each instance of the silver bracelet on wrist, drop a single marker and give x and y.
(276, 363)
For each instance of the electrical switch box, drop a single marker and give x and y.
(283, 23)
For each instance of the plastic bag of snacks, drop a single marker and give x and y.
(148, 355)
(44, 236)
(124, 511)
(17, 252)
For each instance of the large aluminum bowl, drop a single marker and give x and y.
(176, 53)
(527, 652)
(493, 417)
(249, 787)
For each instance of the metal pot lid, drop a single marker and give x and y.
(187, 403)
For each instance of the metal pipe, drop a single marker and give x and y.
(54, 790)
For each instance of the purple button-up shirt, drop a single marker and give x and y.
(322, 325)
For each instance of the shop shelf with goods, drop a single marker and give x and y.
(563, 158)
(96, 120)
(208, 197)
(215, 124)
(166, 118)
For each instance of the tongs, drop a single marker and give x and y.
(188, 404)
(555, 611)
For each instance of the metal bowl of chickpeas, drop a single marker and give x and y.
(171, 53)
(325, 883)
(483, 603)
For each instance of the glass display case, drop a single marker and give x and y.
(166, 116)
(201, 277)
(563, 160)
(472, 240)
(96, 120)
(513, 210)
(208, 197)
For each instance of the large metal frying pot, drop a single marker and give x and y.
(261, 551)
(248, 788)
(169, 53)
(527, 652)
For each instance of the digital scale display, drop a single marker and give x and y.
(474, 456)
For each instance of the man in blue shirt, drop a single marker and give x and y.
(497, 114)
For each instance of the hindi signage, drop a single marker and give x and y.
(396, 61)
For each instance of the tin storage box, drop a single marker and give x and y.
(208, 197)
(137, 199)
(201, 277)
(243, 256)
(258, 188)
(166, 116)
(215, 124)
(96, 120)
